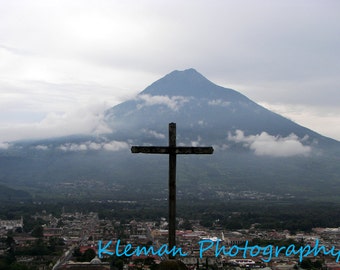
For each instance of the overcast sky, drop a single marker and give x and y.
(63, 62)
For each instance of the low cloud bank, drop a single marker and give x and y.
(86, 146)
(88, 119)
(267, 145)
(4, 145)
(41, 147)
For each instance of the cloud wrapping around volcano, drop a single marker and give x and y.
(267, 145)
(86, 146)
(4, 145)
(173, 103)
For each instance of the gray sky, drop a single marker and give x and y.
(63, 62)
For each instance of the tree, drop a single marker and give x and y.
(38, 231)
(306, 264)
(10, 241)
(88, 255)
(186, 225)
(117, 264)
(76, 253)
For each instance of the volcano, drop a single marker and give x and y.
(256, 151)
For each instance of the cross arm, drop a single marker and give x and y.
(150, 149)
(194, 150)
(171, 150)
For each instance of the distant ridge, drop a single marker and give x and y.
(9, 194)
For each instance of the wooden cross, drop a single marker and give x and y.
(172, 150)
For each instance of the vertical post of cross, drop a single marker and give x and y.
(172, 150)
(172, 185)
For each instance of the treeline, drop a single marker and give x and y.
(291, 215)
(232, 215)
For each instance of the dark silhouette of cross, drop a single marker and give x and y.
(172, 150)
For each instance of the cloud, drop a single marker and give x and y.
(41, 147)
(201, 122)
(94, 146)
(173, 103)
(266, 145)
(193, 143)
(219, 102)
(73, 147)
(322, 119)
(4, 145)
(86, 146)
(154, 134)
(120, 46)
(115, 146)
(222, 147)
(196, 143)
(86, 119)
